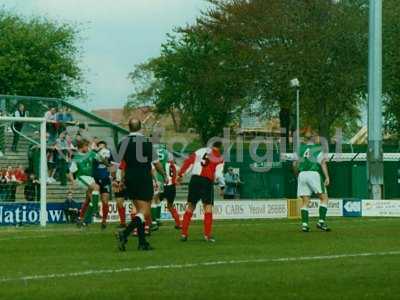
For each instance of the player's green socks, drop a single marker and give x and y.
(154, 212)
(158, 212)
(323, 209)
(93, 207)
(304, 216)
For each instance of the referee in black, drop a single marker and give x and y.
(138, 156)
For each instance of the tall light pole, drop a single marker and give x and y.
(295, 83)
(375, 152)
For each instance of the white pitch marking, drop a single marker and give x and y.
(195, 265)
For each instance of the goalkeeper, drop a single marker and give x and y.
(81, 172)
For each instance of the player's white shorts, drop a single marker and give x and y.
(309, 183)
(85, 181)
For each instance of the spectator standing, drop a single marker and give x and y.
(11, 184)
(76, 140)
(64, 119)
(62, 158)
(70, 144)
(20, 175)
(60, 120)
(32, 189)
(3, 185)
(16, 127)
(68, 118)
(51, 161)
(51, 120)
(232, 182)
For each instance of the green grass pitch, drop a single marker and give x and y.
(265, 259)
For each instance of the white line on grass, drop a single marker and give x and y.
(195, 265)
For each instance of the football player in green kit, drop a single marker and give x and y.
(163, 157)
(81, 172)
(309, 165)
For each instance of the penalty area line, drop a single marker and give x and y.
(195, 265)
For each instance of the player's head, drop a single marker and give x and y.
(135, 125)
(308, 133)
(83, 145)
(101, 145)
(217, 144)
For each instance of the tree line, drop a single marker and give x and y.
(240, 52)
(39, 57)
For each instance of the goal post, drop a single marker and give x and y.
(43, 161)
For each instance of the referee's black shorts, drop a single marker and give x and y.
(121, 194)
(169, 194)
(139, 188)
(201, 188)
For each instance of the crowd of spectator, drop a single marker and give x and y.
(10, 178)
(63, 134)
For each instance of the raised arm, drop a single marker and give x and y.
(187, 164)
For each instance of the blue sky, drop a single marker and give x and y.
(117, 34)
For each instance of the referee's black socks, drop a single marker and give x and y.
(137, 222)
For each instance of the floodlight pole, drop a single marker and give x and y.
(295, 83)
(43, 175)
(298, 119)
(375, 151)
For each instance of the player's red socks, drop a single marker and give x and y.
(175, 215)
(84, 209)
(122, 214)
(187, 217)
(208, 220)
(148, 221)
(105, 210)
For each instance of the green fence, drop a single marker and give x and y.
(348, 179)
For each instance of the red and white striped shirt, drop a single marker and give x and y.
(171, 171)
(207, 163)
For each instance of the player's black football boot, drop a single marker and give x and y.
(178, 227)
(184, 238)
(154, 227)
(145, 247)
(81, 224)
(305, 228)
(323, 227)
(121, 241)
